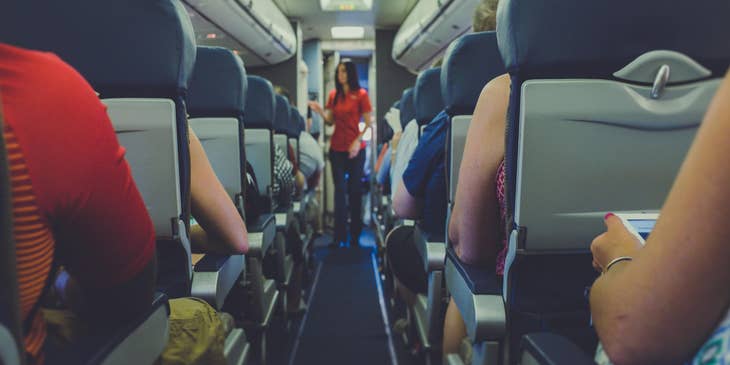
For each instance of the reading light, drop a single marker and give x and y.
(348, 32)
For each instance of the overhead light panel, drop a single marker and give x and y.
(346, 5)
(348, 32)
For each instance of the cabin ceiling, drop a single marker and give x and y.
(316, 23)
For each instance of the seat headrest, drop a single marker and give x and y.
(122, 48)
(407, 107)
(218, 86)
(594, 39)
(470, 62)
(260, 104)
(301, 123)
(281, 116)
(427, 95)
(293, 125)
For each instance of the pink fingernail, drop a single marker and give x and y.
(607, 215)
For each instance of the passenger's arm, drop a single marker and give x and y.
(473, 228)
(660, 307)
(224, 230)
(406, 205)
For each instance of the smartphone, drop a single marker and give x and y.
(639, 224)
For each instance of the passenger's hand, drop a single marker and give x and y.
(617, 241)
(315, 106)
(354, 148)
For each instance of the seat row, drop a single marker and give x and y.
(601, 115)
(156, 85)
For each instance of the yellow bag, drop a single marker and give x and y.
(196, 334)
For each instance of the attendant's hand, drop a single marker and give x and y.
(354, 148)
(315, 106)
(617, 241)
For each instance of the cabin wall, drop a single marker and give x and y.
(391, 77)
(312, 55)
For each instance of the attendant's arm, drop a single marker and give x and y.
(660, 307)
(473, 228)
(355, 145)
(406, 205)
(325, 113)
(223, 229)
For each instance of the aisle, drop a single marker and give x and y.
(344, 324)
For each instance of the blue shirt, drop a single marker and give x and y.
(425, 176)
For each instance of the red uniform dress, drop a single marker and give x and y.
(72, 191)
(346, 114)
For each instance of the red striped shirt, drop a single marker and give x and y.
(72, 191)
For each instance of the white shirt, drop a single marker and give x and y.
(406, 146)
(311, 155)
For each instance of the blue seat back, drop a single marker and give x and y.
(293, 128)
(582, 77)
(407, 107)
(218, 91)
(470, 62)
(427, 95)
(282, 116)
(259, 123)
(125, 49)
(260, 104)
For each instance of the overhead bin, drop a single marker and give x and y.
(428, 30)
(257, 24)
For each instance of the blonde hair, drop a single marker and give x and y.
(485, 16)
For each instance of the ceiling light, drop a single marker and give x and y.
(348, 32)
(211, 36)
(346, 5)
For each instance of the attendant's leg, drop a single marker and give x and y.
(354, 188)
(338, 161)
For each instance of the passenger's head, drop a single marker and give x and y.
(346, 74)
(485, 16)
(280, 90)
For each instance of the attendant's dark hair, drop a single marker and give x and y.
(353, 81)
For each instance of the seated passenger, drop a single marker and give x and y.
(220, 227)
(404, 144)
(74, 201)
(642, 302)
(420, 195)
(476, 228)
(311, 161)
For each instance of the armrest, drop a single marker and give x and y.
(140, 341)
(282, 215)
(477, 293)
(552, 349)
(215, 275)
(261, 233)
(433, 252)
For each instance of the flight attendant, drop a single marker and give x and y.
(346, 106)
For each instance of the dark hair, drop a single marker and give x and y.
(280, 90)
(353, 81)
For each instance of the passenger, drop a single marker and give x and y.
(404, 144)
(641, 303)
(72, 190)
(311, 161)
(476, 228)
(220, 227)
(313, 123)
(346, 105)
